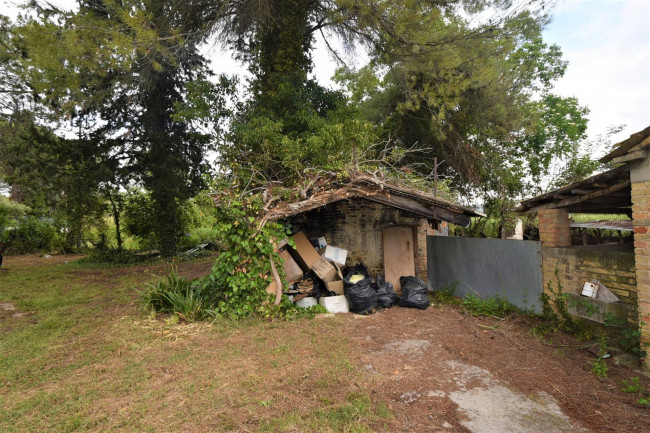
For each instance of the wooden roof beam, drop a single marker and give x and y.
(632, 156)
(579, 199)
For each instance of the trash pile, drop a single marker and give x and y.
(317, 274)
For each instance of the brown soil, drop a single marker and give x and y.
(414, 352)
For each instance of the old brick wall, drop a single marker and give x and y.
(641, 218)
(611, 265)
(554, 227)
(356, 225)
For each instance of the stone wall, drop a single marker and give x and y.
(356, 225)
(611, 265)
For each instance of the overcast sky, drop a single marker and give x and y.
(607, 44)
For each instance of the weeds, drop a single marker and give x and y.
(495, 306)
(628, 335)
(599, 366)
(633, 386)
(556, 316)
(447, 294)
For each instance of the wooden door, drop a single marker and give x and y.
(399, 254)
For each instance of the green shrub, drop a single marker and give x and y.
(241, 273)
(32, 236)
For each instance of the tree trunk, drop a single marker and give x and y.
(116, 218)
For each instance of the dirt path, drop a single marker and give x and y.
(443, 371)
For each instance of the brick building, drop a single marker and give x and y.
(623, 268)
(380, 224)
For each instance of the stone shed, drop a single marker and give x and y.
(623, 267)
(380, 224)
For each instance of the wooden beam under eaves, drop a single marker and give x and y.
(418, 208)
(582, 198)
(632, 156)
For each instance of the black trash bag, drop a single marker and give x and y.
(414, 293)
(361, 295)
(360, 268)
(386, 296)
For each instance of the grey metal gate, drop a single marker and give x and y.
(487, 267)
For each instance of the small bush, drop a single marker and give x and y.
(178, 295)
(32, 236)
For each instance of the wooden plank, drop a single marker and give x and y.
(399, 254)
(581, 191)
(616, 173)
(632, 156)
(582, 198)
(623, 147)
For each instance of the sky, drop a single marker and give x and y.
(606, 42)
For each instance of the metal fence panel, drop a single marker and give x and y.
(487, 267)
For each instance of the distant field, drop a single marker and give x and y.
(585, 217)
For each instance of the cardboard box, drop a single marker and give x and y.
(304, 252)
(336, 255)
(335, 286)
(325, 270)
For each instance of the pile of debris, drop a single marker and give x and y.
(317, 274)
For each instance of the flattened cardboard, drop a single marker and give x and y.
(399, 255)
(304, 253)
(291, 269)
(270, 289)
(335, 254)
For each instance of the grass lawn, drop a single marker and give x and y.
(78, 354)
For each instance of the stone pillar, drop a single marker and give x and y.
(640, 178)
(554, 227)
